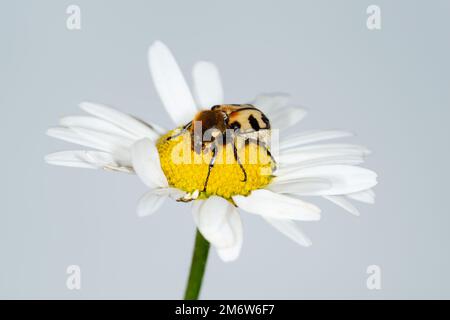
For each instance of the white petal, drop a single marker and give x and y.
(69, 159)
(170, 84)
(231, 253)
(96, 124)
(108, 161)
(318, 160)
(286, 117)
(306, 186)
(108, 141)
(319, 151)
(228, 254)
(69, 135)
(270, 102)
(271, 204)
(275, 107)
(344, 148)
(145, 159)
(343, 179)
(100, 159)
(115, 145)
(86, 159)
(291, 230)
(219, 222)
(342, 202)
(366, 196)
(173, 193)
(137, 127)
(150, 202)
(311, 137)
(207, 84)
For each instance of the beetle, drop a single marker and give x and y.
(223, 124)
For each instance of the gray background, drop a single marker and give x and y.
(391, 87)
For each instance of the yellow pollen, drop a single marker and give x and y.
(187, 170)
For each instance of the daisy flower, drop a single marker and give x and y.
(120, 142)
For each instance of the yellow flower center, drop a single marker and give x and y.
(187, 170)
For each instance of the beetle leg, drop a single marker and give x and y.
(211, 165)
(263, 144)
(236, 157)
(182, 131)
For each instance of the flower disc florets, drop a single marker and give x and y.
(187, 169)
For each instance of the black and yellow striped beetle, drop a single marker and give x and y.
(227, 121)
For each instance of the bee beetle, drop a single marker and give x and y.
(224, 123)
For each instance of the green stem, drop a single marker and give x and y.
(198, 265)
